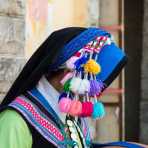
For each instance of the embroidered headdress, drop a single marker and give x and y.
(93, 67)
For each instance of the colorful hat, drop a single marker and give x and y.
(93, 67)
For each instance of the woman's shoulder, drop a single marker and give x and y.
(12, 116)
(13, 130)
(12, 120)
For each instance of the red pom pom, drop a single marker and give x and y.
(87, 109)
(78, 54)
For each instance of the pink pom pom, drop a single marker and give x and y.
(66, 77)
(71, 61)
(76, 108)
(65, 104)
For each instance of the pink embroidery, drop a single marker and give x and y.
(46, 124)
(100, 43)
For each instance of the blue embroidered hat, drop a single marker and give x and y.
(95, 61)
(111, 58)
(76, 44)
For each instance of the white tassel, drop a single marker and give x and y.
(75, 84)
(84, 87)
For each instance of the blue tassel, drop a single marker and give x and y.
(99, 110)
(64, 94)
(78, 64)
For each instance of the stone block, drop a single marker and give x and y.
(109, 12)
(144, 131)
(12, 7)
(1, 97)
(4, 86)
(9, 69)
(93, 12)
(144, 111)
(144, 122)
(12, 36)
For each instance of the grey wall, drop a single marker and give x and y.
(144, 79)
(12, 39)
(133, 47)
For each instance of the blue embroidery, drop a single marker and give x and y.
(39, 97)
(76, 44)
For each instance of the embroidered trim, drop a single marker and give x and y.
(77, 43)
(84, 127)
(39, 98)
(86, 131)
(41, 122)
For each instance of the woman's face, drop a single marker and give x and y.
(55, 77)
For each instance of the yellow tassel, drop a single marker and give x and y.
(92, 67)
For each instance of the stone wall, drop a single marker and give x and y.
(144, 78)
(12, 40)
(93, 16)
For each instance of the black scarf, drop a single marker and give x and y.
(38, 64)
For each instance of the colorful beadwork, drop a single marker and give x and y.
(83, 82)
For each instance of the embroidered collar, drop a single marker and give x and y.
(38, 111)
(42, 123)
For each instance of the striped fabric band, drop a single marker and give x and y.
(38, 120)
(86, 131)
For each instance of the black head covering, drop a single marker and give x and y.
(39, 62)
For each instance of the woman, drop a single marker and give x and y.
(77, 62)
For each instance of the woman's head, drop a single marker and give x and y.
(60, 46)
